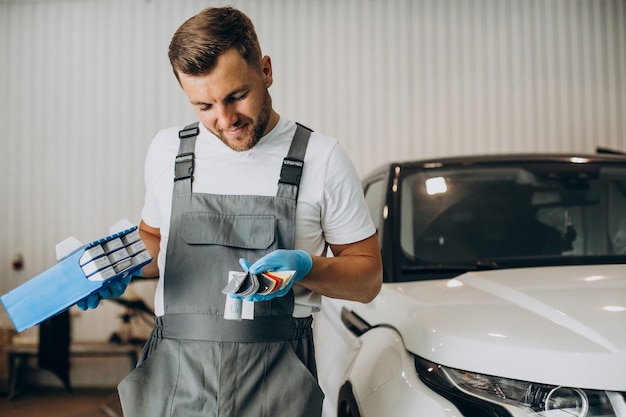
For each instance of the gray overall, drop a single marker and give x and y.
(196, 363)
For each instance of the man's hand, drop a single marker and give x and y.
(284, 260)
(279, 260)
(113, 290)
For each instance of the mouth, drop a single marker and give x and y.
(238, 138)
(235, 132)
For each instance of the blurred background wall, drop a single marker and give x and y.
(85, 85)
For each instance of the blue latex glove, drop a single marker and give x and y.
(113, 290)
(280, 260)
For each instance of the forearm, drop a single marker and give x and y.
(151, 237)
(354, 273)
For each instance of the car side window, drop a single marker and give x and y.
(374, 197)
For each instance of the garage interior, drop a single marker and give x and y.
(86, 84)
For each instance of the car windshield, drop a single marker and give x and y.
(527, 214)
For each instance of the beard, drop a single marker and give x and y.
(254, 130)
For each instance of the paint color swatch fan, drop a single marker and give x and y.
(80, 271)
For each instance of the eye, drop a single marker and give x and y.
(238, 97)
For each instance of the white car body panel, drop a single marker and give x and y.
(553, 325)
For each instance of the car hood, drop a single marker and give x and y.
(553, 325)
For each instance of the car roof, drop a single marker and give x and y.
(516, 158)
(511, 158)
(607, 157)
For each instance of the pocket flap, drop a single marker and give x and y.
(247, 232)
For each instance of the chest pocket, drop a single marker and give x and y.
(237, 231)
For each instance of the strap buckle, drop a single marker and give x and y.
(184, 166)
(291, 171)
(189, 131)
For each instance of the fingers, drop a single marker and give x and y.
(244, 264)
(113, 290)
(93, 300)
(235, 296)
(271, 262)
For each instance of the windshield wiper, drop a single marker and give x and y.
(480, 265)
(518, 262)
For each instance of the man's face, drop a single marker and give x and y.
(232, 101)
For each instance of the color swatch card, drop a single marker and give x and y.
(245, 284)
(238, 308)
(80, 271)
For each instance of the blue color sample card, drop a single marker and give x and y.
(86, 270)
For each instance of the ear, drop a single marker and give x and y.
(266, 68)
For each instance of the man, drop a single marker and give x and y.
(222, 196)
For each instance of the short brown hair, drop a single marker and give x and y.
(199, 41)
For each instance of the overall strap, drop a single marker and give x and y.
(291, 171)
(184, 166)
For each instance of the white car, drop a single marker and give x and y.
(504, 293)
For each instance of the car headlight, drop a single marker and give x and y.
(478, 395)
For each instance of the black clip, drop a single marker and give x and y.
(291, 171)
(184, 166)
(189, 132)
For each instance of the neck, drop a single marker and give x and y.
(272, 122)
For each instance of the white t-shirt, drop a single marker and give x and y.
(331, 207)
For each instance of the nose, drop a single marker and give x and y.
(226, 116)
